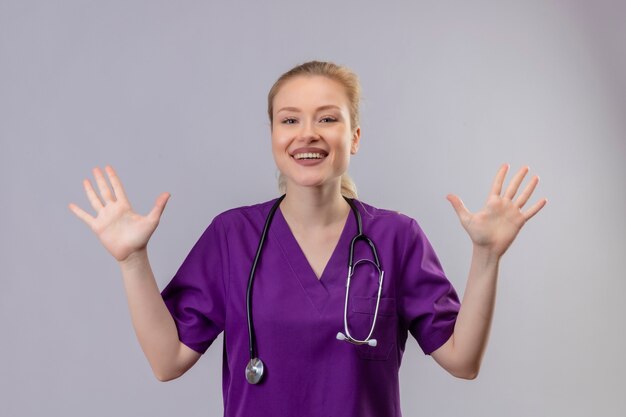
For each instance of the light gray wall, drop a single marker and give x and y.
(172, 94)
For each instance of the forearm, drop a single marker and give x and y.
(492, 230)
(471, 330)
(153, 323)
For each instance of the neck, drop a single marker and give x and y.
(314, 207)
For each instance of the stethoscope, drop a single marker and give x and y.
(255, 368)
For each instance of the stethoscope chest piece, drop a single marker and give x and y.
(254, 370)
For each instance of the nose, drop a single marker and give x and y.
(308, 131)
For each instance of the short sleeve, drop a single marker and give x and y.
(429, 303)
(196, 295)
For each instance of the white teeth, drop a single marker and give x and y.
(308, 155)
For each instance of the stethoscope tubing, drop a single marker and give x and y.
(251, 278)
(255, 368)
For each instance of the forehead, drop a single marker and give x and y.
(310, 91)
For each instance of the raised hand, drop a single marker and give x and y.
(495, 226)
(121, 230)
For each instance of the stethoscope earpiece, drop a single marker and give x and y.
(371, 342)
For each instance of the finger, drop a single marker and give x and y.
(535, 208)
(118, 189)
(157, 210)
(525, 195)
(496, 188)
(95, 201)
(515, 182)
(103, 186)
(84, 216)
(459, 207)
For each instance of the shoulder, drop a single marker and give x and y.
(391, 225)
(384, 217)
(245, 214)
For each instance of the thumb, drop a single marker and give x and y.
(159, 206)
(458, 206)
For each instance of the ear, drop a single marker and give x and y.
(356, 137)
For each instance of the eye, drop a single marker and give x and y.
(328, 119)
(288, 121)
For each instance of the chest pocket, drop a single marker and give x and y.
(361, 316)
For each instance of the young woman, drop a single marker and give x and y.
(298, 341)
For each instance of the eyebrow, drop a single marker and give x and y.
(295, 109)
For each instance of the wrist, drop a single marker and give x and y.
(485, 255)
(138, 257)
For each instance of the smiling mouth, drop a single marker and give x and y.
(309, 155)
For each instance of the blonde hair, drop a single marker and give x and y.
(335, 72)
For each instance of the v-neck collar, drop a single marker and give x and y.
(336, 268)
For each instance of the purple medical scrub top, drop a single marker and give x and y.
(308, 372)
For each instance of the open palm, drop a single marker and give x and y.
(497, 224)
(120, 230)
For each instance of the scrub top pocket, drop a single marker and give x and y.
(360, 317)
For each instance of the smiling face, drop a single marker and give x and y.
(312, 138)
